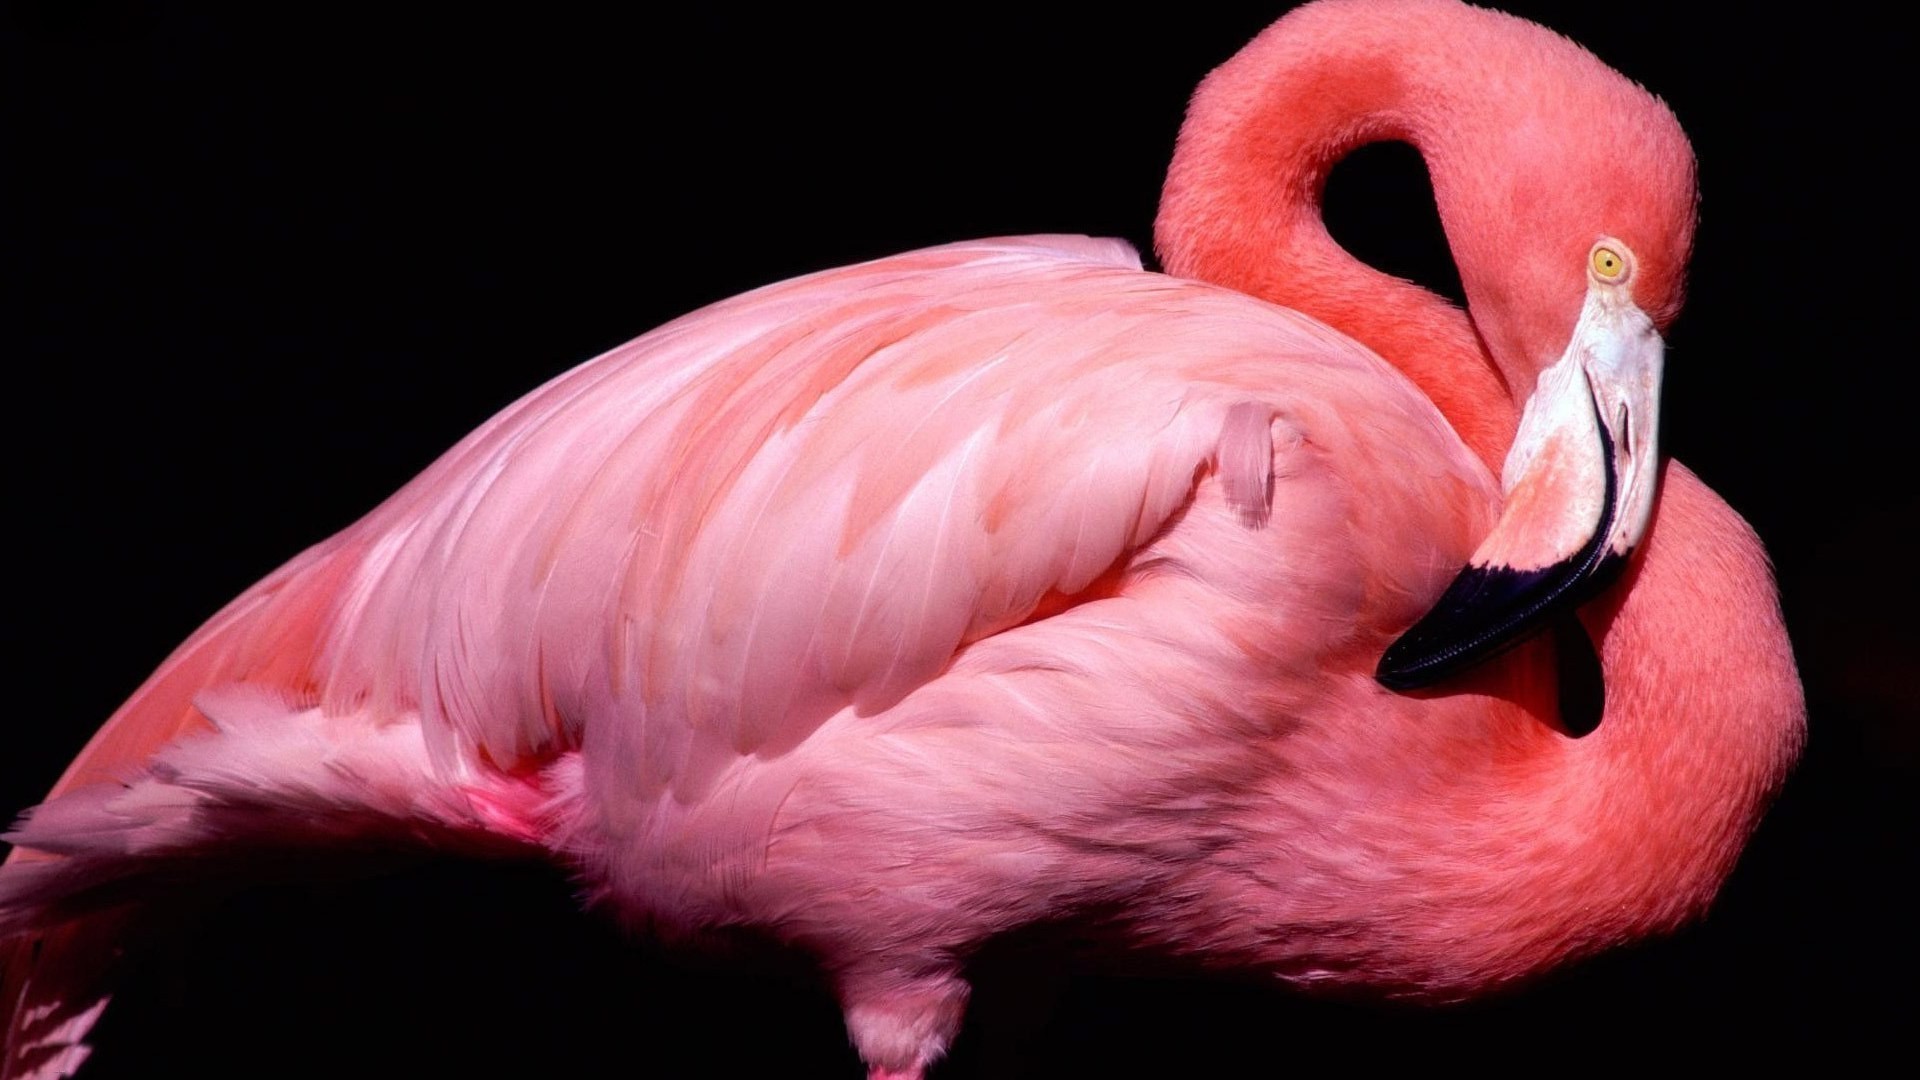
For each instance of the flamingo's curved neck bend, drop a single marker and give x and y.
(1527, 848)
(1523, 156)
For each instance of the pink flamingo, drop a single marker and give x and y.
(891, 609)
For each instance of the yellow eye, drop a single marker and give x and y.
(1608, 263)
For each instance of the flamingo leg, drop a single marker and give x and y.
(900, 1025)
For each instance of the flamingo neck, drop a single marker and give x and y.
(1705, 717)
(1242, 202)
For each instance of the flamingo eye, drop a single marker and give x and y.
(1608, 263)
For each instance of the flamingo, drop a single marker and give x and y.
(895, 608)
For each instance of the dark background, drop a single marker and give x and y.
(263, 268)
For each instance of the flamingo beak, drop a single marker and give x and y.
(1580, 484)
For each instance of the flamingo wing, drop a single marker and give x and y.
(805, 499)
(808, 498)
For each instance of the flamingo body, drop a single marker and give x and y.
(893, 608)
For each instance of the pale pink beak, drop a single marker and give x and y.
(1580, 484)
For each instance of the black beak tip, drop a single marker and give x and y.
(1484, 610)
(1401, 668)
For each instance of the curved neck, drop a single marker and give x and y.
(1242, 202)
(1434, 847)
(1705, 715)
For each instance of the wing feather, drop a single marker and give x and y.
(807, 499)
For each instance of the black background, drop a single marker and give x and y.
(263, 269)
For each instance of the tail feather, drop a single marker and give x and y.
(267, 778)
(267, 636)
(216, 766)
(60, 932)
(53, 988)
